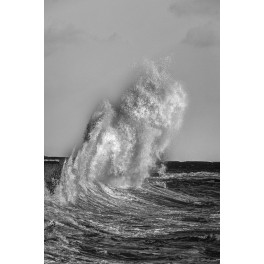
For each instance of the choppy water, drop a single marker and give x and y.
(172, 218)
(110, 207)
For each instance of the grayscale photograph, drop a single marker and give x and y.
(131, 131)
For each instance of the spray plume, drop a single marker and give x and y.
(122, 143)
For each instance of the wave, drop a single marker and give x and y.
(122, 142)
(106, 208)
(166, 220)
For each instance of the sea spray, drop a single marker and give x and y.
(123, 142)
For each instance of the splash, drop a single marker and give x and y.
(123, 142)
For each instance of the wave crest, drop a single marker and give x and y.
(123, 142)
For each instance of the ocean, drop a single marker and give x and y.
(172, 217)
(115, 201)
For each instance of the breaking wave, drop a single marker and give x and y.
(123, 142)
(106, 208)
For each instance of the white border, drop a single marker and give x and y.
(242, 131)
(22, 131)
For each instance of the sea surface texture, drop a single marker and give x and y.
(114, 201)
(173, 217)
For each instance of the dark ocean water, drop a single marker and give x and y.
(172, 218)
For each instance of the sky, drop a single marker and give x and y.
(91, 45)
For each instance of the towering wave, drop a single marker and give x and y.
(123, 142)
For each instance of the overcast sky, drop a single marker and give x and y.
(90, 46)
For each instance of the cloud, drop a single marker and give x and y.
(195, 7)
(57, 36)
(109, 38)
(61, 34)
(113, 37)
(203, 36)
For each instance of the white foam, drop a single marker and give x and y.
(126, 140)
